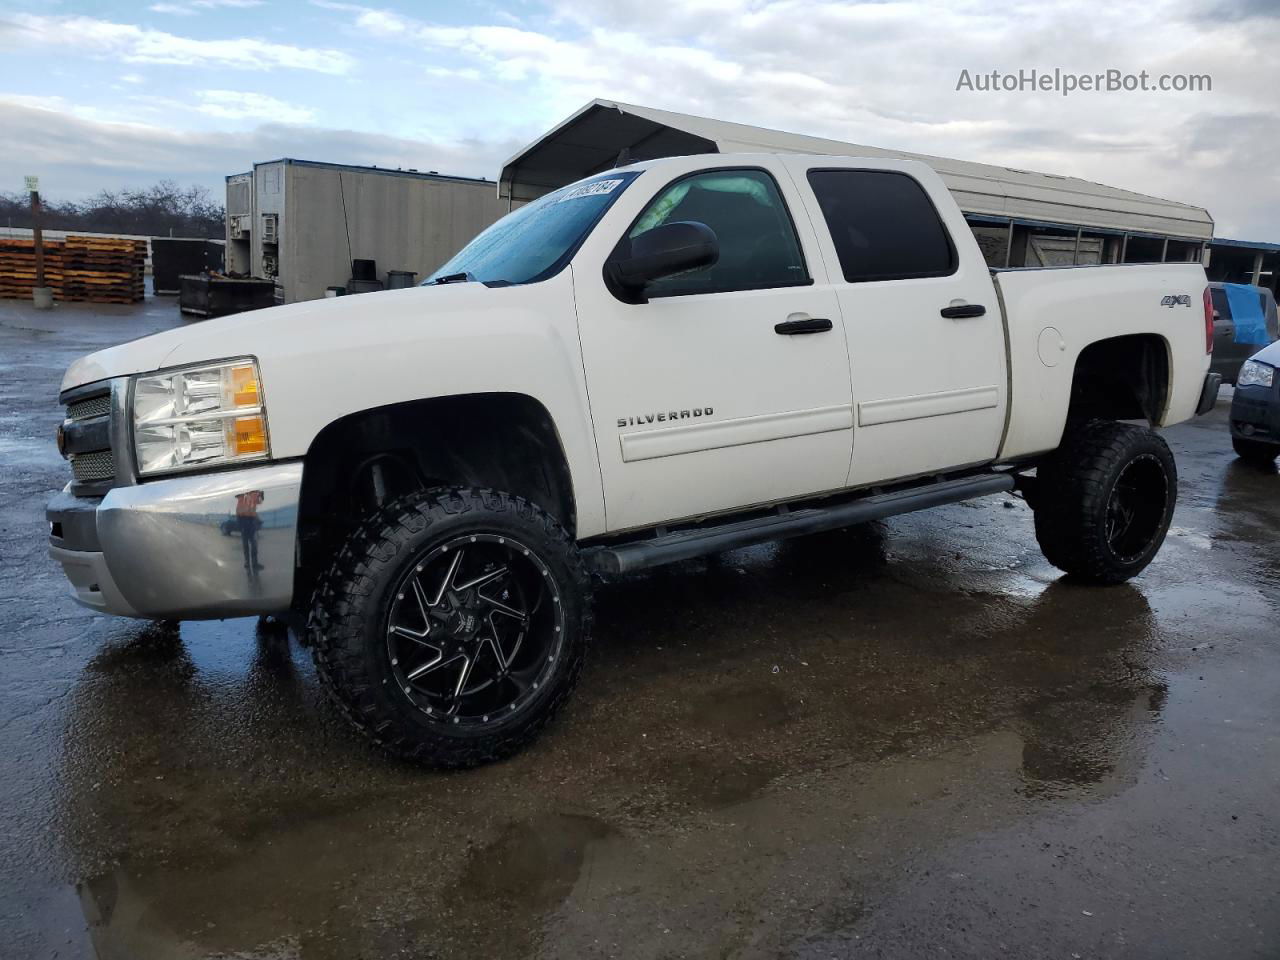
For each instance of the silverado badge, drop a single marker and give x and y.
(663, 416)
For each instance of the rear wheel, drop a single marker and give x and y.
(1255, 451)
(453, 624)
(1105, 500)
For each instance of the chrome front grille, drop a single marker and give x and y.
(92, 467)
(98, 406)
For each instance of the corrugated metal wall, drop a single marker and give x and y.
(404, 223)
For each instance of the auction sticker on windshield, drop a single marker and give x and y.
(593, 189)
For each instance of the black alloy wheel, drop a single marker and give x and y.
(474, 630)
(1136, 507)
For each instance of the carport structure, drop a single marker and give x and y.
(1246, 261)
(1020, 218)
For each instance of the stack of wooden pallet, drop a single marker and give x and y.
(18, 266)
(95, 269)
(103, 269)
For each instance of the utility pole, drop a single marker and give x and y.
(41, 295)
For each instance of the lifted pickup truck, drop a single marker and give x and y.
(668, 359)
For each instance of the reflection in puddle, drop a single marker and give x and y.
(1084, 740)
(736, 709)
(532, 864)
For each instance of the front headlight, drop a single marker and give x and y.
(199, 417)
(1256, 374)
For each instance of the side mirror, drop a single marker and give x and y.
(662, 252)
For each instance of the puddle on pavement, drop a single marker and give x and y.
(1086, 740)
(532, 864)
(741, 710)
(736, 716)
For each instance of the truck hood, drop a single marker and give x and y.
(269, 331)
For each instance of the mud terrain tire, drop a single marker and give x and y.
(393, 565)
(1104, 501)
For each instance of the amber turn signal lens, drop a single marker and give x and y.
(244, 387)
(248, 435)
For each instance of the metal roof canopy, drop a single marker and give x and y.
(1247, 244)
(591, 140)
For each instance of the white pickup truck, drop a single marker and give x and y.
(669, 359)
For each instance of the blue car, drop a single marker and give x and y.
(1255, 409)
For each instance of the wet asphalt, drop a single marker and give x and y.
(907, 739)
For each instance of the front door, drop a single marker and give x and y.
(925, 331)
(730, 386)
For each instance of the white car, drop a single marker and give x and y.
(668, 359)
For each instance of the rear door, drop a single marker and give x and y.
(1269, 310)
(925, 331)
(1227, 355)
(730, 386)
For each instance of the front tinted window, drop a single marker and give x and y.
(883, 224)
(758, 246)
(534, 241)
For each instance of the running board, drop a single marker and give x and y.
(683, 544)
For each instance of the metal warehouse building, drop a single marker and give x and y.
(1020, 218)
(301, 223)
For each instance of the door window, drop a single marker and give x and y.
(758, 245)
(883, 224)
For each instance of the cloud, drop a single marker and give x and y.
(880, 73)
(33, 102)
(1232, 10)
(134, 44)
(462, 73)
(885, 74)
(76, 157)
(54, 105)
(1235, 172)
(196, 6)
(238, 105)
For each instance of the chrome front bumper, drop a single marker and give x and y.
(179, 549)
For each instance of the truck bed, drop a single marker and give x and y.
(1051, 314)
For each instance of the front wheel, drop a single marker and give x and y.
(452, 625)
(1255, 451)
(1105, 500)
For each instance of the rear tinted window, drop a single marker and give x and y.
(883, 224)
(1220, 302)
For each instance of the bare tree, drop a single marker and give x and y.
(160, 210)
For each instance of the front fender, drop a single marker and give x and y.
(325, 360)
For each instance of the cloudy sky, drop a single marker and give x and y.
(96, 95)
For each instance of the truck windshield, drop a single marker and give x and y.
(535, 241)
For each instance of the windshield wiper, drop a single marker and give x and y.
(454, 278)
